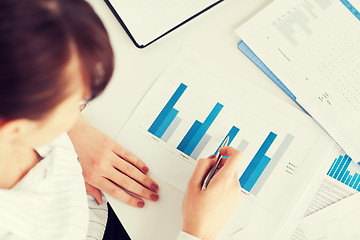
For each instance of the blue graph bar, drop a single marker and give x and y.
(352, 9)
(166, 123)
(256, 173)
(341, 165)
(356, 185)
(348, 179)
(167, 109)
(332, 166)
(232, 134)
(335, 166)
(203, 129)
(345, 167)
(257, 160)
(273, 163)
(189, 135)
(343, 179)
(352, 183)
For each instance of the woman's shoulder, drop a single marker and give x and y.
(62, 142)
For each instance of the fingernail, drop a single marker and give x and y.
(154, 187)
(154, 197)
(212, 156)
(145, 169)
(140, 204)
(98, 203)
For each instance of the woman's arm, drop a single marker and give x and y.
(109, 167)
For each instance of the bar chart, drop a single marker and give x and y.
(196, 138)
(340, 170)
(193, 107)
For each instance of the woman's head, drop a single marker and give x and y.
(51, 51)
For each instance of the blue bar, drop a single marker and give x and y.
(341, 165)
(332, 166)
(357, 184)
(337, 163)
(257, 158)
(168, 107)
(203, 128)
(189, 135)
(276, 158)
(347, 182)
(343, 179)
(352, 9)
(346, 165)
(256, 173)
(166, 123)
(356, 175)
(232, 134)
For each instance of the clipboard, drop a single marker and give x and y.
(146, 21)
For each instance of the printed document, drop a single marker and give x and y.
(313, 47)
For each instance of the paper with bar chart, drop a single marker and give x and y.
(195, 105)
(340, 181)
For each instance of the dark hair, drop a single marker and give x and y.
(37, 40)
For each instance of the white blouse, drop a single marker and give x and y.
(50, 202)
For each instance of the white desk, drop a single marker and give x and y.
(210, 35)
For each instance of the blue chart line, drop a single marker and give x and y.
(339, 170)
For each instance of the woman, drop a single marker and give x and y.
(56, 54)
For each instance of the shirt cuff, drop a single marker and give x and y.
(185, 236)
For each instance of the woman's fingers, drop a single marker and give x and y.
(134, 173)
(231, 165)
(121, 194)
(201, 169)
(132, 185)
(131, 158)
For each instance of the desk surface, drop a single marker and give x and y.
(210, 35)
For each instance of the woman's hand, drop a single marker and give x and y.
(206, 211)
(109, 167)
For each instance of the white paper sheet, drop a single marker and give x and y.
(313, 48)
(256, 113)
(338, 221)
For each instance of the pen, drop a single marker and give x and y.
(212, 170)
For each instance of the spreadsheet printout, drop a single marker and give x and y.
(313, 47)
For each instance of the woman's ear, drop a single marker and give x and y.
(12, 129)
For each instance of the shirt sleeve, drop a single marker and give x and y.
(185, 236)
